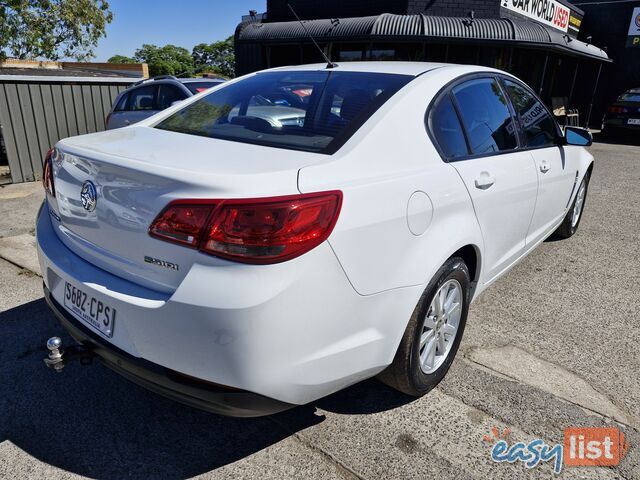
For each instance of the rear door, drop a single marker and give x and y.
(500, 176)
(168, 94)
(556, 167)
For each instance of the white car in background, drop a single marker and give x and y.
(272, 264)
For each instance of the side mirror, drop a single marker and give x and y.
(580, 137)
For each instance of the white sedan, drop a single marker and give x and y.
(273, 263)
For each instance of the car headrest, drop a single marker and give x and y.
(146, 102)
(353, 103)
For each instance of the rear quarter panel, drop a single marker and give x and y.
(389, 159)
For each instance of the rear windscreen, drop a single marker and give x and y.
(310, 111)
(630, 97)
(197, 87)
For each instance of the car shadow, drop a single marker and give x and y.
(90, 421)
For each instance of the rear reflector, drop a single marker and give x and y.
(181, 223)
(47, 174)
(259, 231)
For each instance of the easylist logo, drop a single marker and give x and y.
(582, 447)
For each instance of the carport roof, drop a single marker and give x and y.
(389, 26)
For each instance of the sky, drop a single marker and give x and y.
(184, 23)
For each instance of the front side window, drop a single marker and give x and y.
(486, 116)
(310, 111)
(536, 123)
(446, 128)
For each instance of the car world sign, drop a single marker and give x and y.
(548, 12)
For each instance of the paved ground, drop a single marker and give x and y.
(552, 345)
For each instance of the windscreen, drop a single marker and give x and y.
(310, 111)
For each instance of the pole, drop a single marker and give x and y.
(544, 72)
(573, 83)
(595, 88)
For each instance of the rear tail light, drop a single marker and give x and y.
(617, 110)
(47, 173)
(259, 231)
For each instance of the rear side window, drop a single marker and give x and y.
(315, 111)
(486, 116)
(536, 123)
(446, 128)
(169, 94)
(142, 98)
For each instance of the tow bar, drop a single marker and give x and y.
(58, 357)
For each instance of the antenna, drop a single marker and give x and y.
(330, 64)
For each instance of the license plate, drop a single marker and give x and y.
(90, 310)
(634, 121)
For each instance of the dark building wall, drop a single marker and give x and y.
(278, 11)
(455, 8)
(608, 24)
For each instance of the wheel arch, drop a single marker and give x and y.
(471, 255)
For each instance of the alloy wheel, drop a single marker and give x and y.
(440, 326)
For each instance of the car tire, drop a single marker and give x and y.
(409, 373)
(570, 224)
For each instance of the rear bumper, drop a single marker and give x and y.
(221, 400)
(293, 332)
(617, 125)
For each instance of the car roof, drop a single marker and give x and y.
(203, 79)
(401, 68)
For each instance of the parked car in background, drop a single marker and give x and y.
(148, 97)
(262, 265)
(623, 117)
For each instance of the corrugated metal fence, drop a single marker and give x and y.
(37, 112)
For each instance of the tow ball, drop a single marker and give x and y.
(59, 357)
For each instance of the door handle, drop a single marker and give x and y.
(485, 181)
(127, 122)
(544, 167)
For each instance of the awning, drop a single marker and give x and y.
(422, 27)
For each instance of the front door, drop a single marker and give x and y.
(555, 167)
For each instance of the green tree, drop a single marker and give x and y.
(121, 59)
(217, 57)
(167, 60)
(52, 29)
